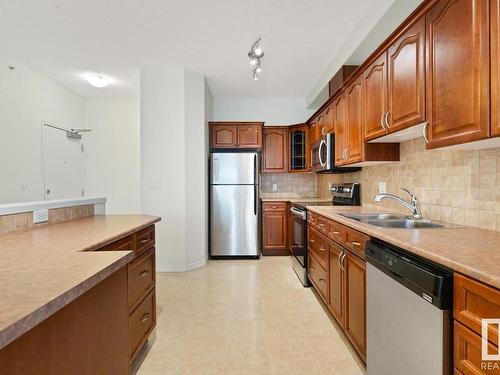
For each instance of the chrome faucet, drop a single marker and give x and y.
(413, 206)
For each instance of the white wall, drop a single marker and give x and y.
(112, 153)
(26, 99)
(274, 111)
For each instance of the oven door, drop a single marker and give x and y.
(298, 229)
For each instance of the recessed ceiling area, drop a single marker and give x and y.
(67, 40)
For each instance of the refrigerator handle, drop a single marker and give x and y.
(255, 199)
(255, 169)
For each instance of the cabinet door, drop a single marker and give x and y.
(457, 71)
(275, 145)
(336, 282)
(355, 301)
(274, 228)
(299, 149)
(355, 139)
(375, 94)
(340, 116)
(495, 68)
(328, 120)
(224, 136)
(406, 79)
(249, 136)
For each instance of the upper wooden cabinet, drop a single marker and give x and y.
(275, 149)
(340, 114)
(457, 46)
(236, 135)
(375, 94)
(354, 136)
(406, 79)
(495, 67)
(328, 122)
(299, 149)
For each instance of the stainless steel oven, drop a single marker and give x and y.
(323, 156)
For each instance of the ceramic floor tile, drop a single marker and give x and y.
(243, 317)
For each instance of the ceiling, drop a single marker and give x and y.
(66, 39)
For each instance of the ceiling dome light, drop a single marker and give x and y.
(255, 76)
(258, 69)
(98, 80)
(254, 61)
(258, 51)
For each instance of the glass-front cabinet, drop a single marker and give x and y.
(299, 148)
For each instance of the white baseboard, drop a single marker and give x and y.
(181, 268)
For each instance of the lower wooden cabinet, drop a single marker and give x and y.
(141, 323)
(275, 228)
(344, 270)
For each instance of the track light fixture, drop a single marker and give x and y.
(255, 54)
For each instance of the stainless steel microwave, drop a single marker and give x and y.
(323, 156)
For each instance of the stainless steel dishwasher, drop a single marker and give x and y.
(408, 323)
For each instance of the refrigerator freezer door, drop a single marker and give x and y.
(234, 168)
(234, 221)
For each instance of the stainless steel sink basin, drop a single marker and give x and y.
(392, 221)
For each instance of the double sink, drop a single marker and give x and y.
(391, 220)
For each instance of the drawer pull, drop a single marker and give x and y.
(355, 243)
(145, 318)
(311, 240)
(321, 248)
(145, 273)
(321, 279)
(146, 240)
(312, 268)
(335, 232)
(321, 225)
(274, 207)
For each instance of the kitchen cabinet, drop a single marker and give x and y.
(344, 267)
(457, 71)
(354, 137)
(406, 79)
(340, 116)
(275, 150)
(250, 136)
(375, 94)
(355, 301)
(275, 228)
(473, 301)
(495, 67)
(235, 135)
(336, 283)
(299, 149)
(328, 122)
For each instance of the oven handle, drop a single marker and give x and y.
(322, 143)
(298, 213)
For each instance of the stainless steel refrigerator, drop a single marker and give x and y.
(234, 204)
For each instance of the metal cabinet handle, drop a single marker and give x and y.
(321, 225)
(425, 132)
(321, 248)
(354, 243)
(311, 240)
(382, 121)
(386, 120)
(144, 273)
(335, 232)
(145, 318)
(343, 261)
(144, 240)
(312, 268)
(346, 154)
(321, 279)
(340, 260)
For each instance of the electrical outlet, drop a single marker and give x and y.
(275, 187)
(382, 188)
(41, 216)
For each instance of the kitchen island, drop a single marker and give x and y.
(64, 298)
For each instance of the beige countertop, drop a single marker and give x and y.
(44, 269)
(293, 199)
(471, 251)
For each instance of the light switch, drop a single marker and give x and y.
(382, 188)
(275, 187)
(40, 216)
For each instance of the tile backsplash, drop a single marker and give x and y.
(457, 186)
(289, 184)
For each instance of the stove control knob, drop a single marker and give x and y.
(347, 190)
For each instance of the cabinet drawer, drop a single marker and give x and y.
(145, 239)
(311, 219)
(474, 301)
(318, 277)
(141, 276)
(124, 244)
(274, 206)
(467, 353)
(356, 242)
(337, 232)
(141, 322)
(318, 245)
(322, 224)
